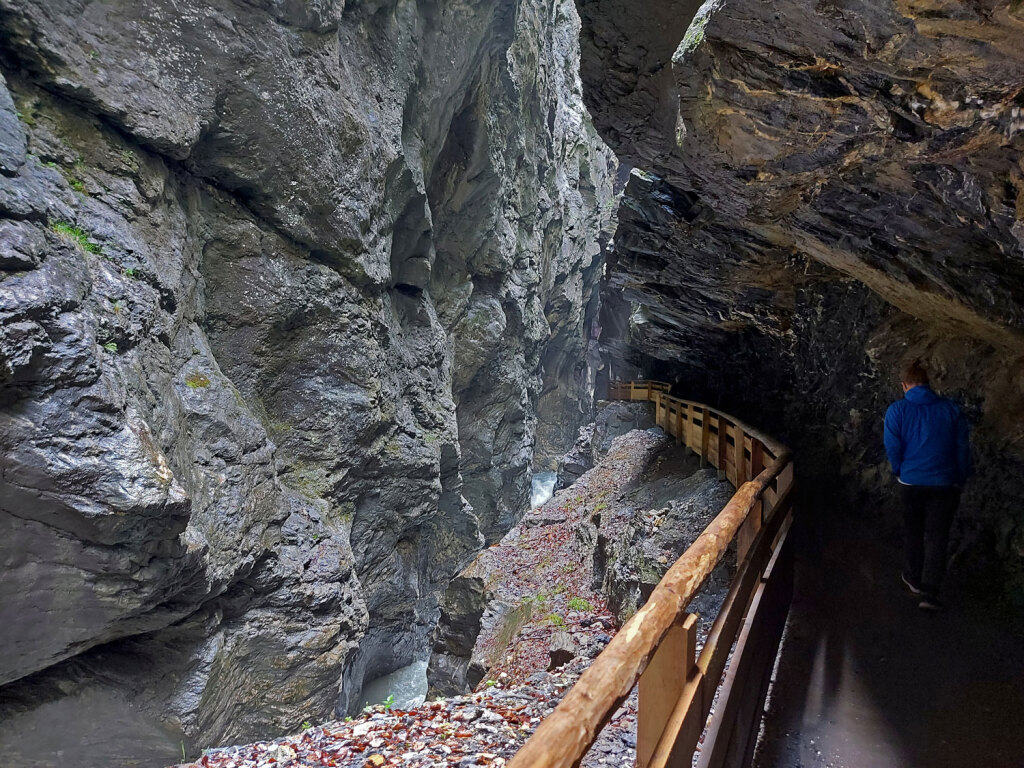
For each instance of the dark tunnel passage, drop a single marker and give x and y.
(784, 249)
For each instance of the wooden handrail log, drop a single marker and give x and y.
(773, 470)
(565, 735)
(682, 728)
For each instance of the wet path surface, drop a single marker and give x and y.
(866, 679)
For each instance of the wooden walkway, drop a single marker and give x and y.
(868, 680)
(656, 648)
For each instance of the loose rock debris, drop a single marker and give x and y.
(480, 729)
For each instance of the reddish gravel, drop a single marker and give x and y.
(545, 565)
(481, 729)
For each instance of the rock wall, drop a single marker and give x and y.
(278, 289)
(824, 189)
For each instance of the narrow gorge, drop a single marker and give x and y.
(297, 297)
(285, 288)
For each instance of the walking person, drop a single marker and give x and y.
(927, 441)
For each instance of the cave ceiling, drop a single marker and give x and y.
(882, 140)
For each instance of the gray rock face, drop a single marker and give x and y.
(826, 189)
(612, 418)
(578, 460)
(563, 650)
(640, 540)
(281, 286)
(615, 418)
(450, 671)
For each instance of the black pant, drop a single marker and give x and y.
(927, 517)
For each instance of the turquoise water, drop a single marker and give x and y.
(408, 685)
(543, 488)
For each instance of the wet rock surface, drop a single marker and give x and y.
(594, 440)
(822, 191)
(539, 577)
(641, 535)
(275, 295)
(561, 650)
(462, 609)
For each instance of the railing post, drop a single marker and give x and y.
(740, 456)
(661, 686)
(785, 478)
(705, 437)
(686, 425)
(748, 531)
(756, 465)
(693, 433)
(723, 448)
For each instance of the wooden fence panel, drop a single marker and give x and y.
(662, 685)
(723, 449)
(732, 736)
(715, 652)
(693, 430)
(684, 727)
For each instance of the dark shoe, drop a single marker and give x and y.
(930, 603)
(915, 589)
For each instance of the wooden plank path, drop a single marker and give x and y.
(866, 679)
(656, 648)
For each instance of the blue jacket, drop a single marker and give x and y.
(926, 438)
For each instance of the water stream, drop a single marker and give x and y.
(408, 685)
(543, 488)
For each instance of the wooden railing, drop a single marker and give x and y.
(657, 646)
